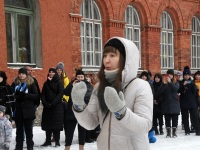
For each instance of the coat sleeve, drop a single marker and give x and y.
(139, 118)
(89, 118)
(8, 130)
(59, 95)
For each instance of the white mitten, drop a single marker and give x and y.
(114, 102)
(78, 93)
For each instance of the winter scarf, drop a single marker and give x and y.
(111, 75)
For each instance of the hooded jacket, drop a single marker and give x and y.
(131, 132)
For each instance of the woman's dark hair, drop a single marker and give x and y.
(104, 83)
(3, 75)
(159, 76)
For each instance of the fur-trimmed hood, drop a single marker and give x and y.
(131, 62)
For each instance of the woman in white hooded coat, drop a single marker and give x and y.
(121, 103)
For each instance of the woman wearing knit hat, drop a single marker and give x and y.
(167, 97)
(53, 112)
(70, 120)
(6, 96)
(26, 94)
(188, 102)
(121, 103)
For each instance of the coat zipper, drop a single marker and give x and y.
(109, 131)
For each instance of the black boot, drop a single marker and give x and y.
(156, 131)
(57, 144)
(168, 132)
(192, 130)
(46, 143)
(161, 130)
(174, 132)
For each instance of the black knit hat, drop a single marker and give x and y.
(186, 70)
(53, 70)
(22, 70)
(170, 71)
(60, 66)
(79, 72)
(2, 109)
(118, 45)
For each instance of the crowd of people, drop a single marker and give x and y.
(122, 109)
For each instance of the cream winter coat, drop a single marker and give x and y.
(131, 132)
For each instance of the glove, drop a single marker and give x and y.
(78, 93)
(6, 146)
(114, 102)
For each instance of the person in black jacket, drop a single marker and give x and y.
(26, 94)
(53, 113)
(6, 96)
(188, 102)
(157, 116)
(168, 99)
(69, 119)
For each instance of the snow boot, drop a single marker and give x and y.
(46, 143)
(174, 132)
(168, 132)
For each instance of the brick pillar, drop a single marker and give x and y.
(151, 49)
(116, 28)
(75, 40)
(183, 50)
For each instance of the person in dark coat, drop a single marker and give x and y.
(70, 121)
(6, 96)
(53, 113)
(168, 99)
(188, 102)
(157, 115)
(25, 94)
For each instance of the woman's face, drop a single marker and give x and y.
(22, 76)
(144, 77)
(59, 71)
(157, 79)
(111, 60)
(51, 74)
(186, 76)
(197, 77)
(80, 77)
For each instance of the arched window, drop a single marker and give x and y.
(195, 46)
(132, 26)
(166, 42)
(91, 35)
(19, 31)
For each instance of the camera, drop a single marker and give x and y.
(189, 81)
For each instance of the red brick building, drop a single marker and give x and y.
(42, 33)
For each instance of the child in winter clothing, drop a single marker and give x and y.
(5, 130)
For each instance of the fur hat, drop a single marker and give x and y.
(186, 70)
(118, 45)
(170, 71)
(2, 109)
(79, 72)
(22, 70)
(60, 66)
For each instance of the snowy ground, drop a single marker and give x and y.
(182, 142)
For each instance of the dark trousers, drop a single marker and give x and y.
(21, 126)
(194, 117)
(69, 126)
(157, 117)
(171, 118)
(56, 134)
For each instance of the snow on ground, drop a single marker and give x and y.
(182, 142)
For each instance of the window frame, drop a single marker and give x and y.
(132, 26)
(195, 45)
(166, 48)
(14, 12)
(91, 66)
